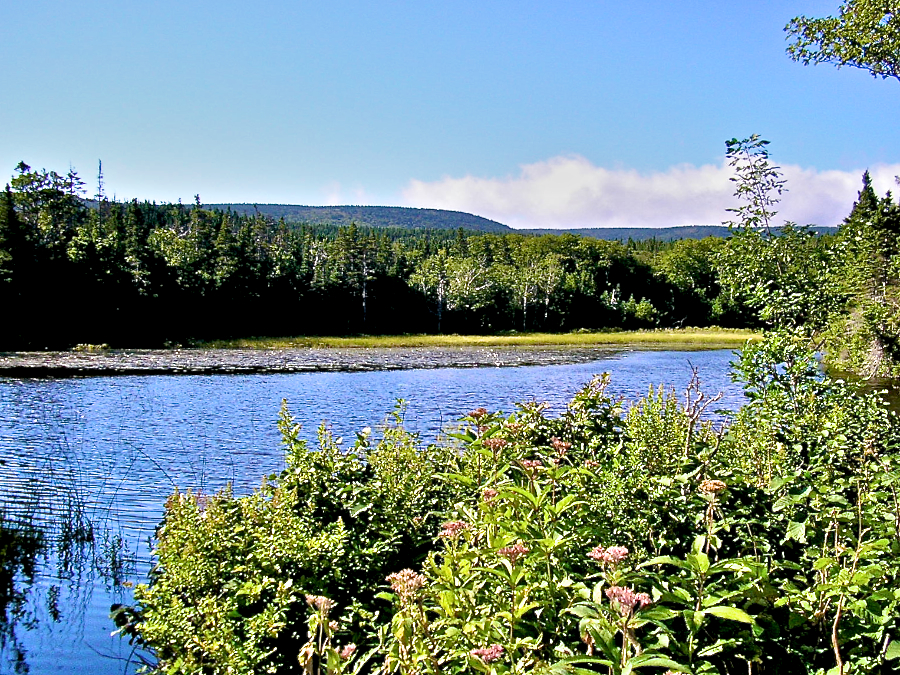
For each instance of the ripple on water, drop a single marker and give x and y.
(111, 449)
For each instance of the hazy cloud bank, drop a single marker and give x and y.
(570, 191)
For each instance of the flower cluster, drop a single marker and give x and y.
(626, 600)
(478, 413)
(453, 528)
(712, 487)
(561, 447)
(320, 602)
(405, 583)
(494, 444)
(608, 556)
(488, 654)
(348, 651)
(489, 494)
(532, 464)
(514, 552)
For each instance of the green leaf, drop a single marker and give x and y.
(532, 499)
(699, 562)
(565, 503)
(586, 659)
(597, 595)
(652, 661)
(796, 531)
(822, 563)
(693, 620)
(457, 478)
(731, 613)
(893, 651)
(663, 560)
(583, 612)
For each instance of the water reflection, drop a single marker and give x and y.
(55, 552)
(20, 546)
(88, 463)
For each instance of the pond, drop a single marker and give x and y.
(86, 465)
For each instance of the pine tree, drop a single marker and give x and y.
(866, 338)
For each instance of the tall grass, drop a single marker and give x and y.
(701, 337)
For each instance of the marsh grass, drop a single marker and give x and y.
(701, 337)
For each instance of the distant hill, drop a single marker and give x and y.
(658, 233)
(642, 233)
(372, 216)
(439, 219)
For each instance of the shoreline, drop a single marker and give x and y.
(242, 361)
(724, 337)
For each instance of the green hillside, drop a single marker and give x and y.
(440, 219)
(641, 233)
(658, 233)
(372, 216)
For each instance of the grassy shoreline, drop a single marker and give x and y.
(700, 337)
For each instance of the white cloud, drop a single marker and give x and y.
(570, 191)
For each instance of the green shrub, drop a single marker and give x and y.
(766, 545)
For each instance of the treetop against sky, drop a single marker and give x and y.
(568, 114)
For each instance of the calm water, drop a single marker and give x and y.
(90, 462)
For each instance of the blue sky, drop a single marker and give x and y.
(562, 114)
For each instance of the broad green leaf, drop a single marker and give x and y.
(731, 613)
(694, 620)
(663, 560)
(699, 543)
(652, 661)
(597, 595)
(532, 499)
(796, 531)
(699, 562)
(583, 612)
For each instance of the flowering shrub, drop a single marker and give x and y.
(603, 540)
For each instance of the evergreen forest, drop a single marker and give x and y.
(140, 274)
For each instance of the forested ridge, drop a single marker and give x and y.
(143, 274)
(370, 216)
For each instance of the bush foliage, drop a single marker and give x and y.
(611, 538)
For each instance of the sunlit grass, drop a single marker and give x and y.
(705, 337)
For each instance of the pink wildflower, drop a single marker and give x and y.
(626, 600)
(453, 528)
(348, 651)
(494, 444)
(532, 464)
(406, 584)
(320, 602)
(489, 494)
(514, 552)
(478, 413)
(561, 447)
(488, 654)
(608, 556)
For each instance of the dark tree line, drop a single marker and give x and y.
(143, 274)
